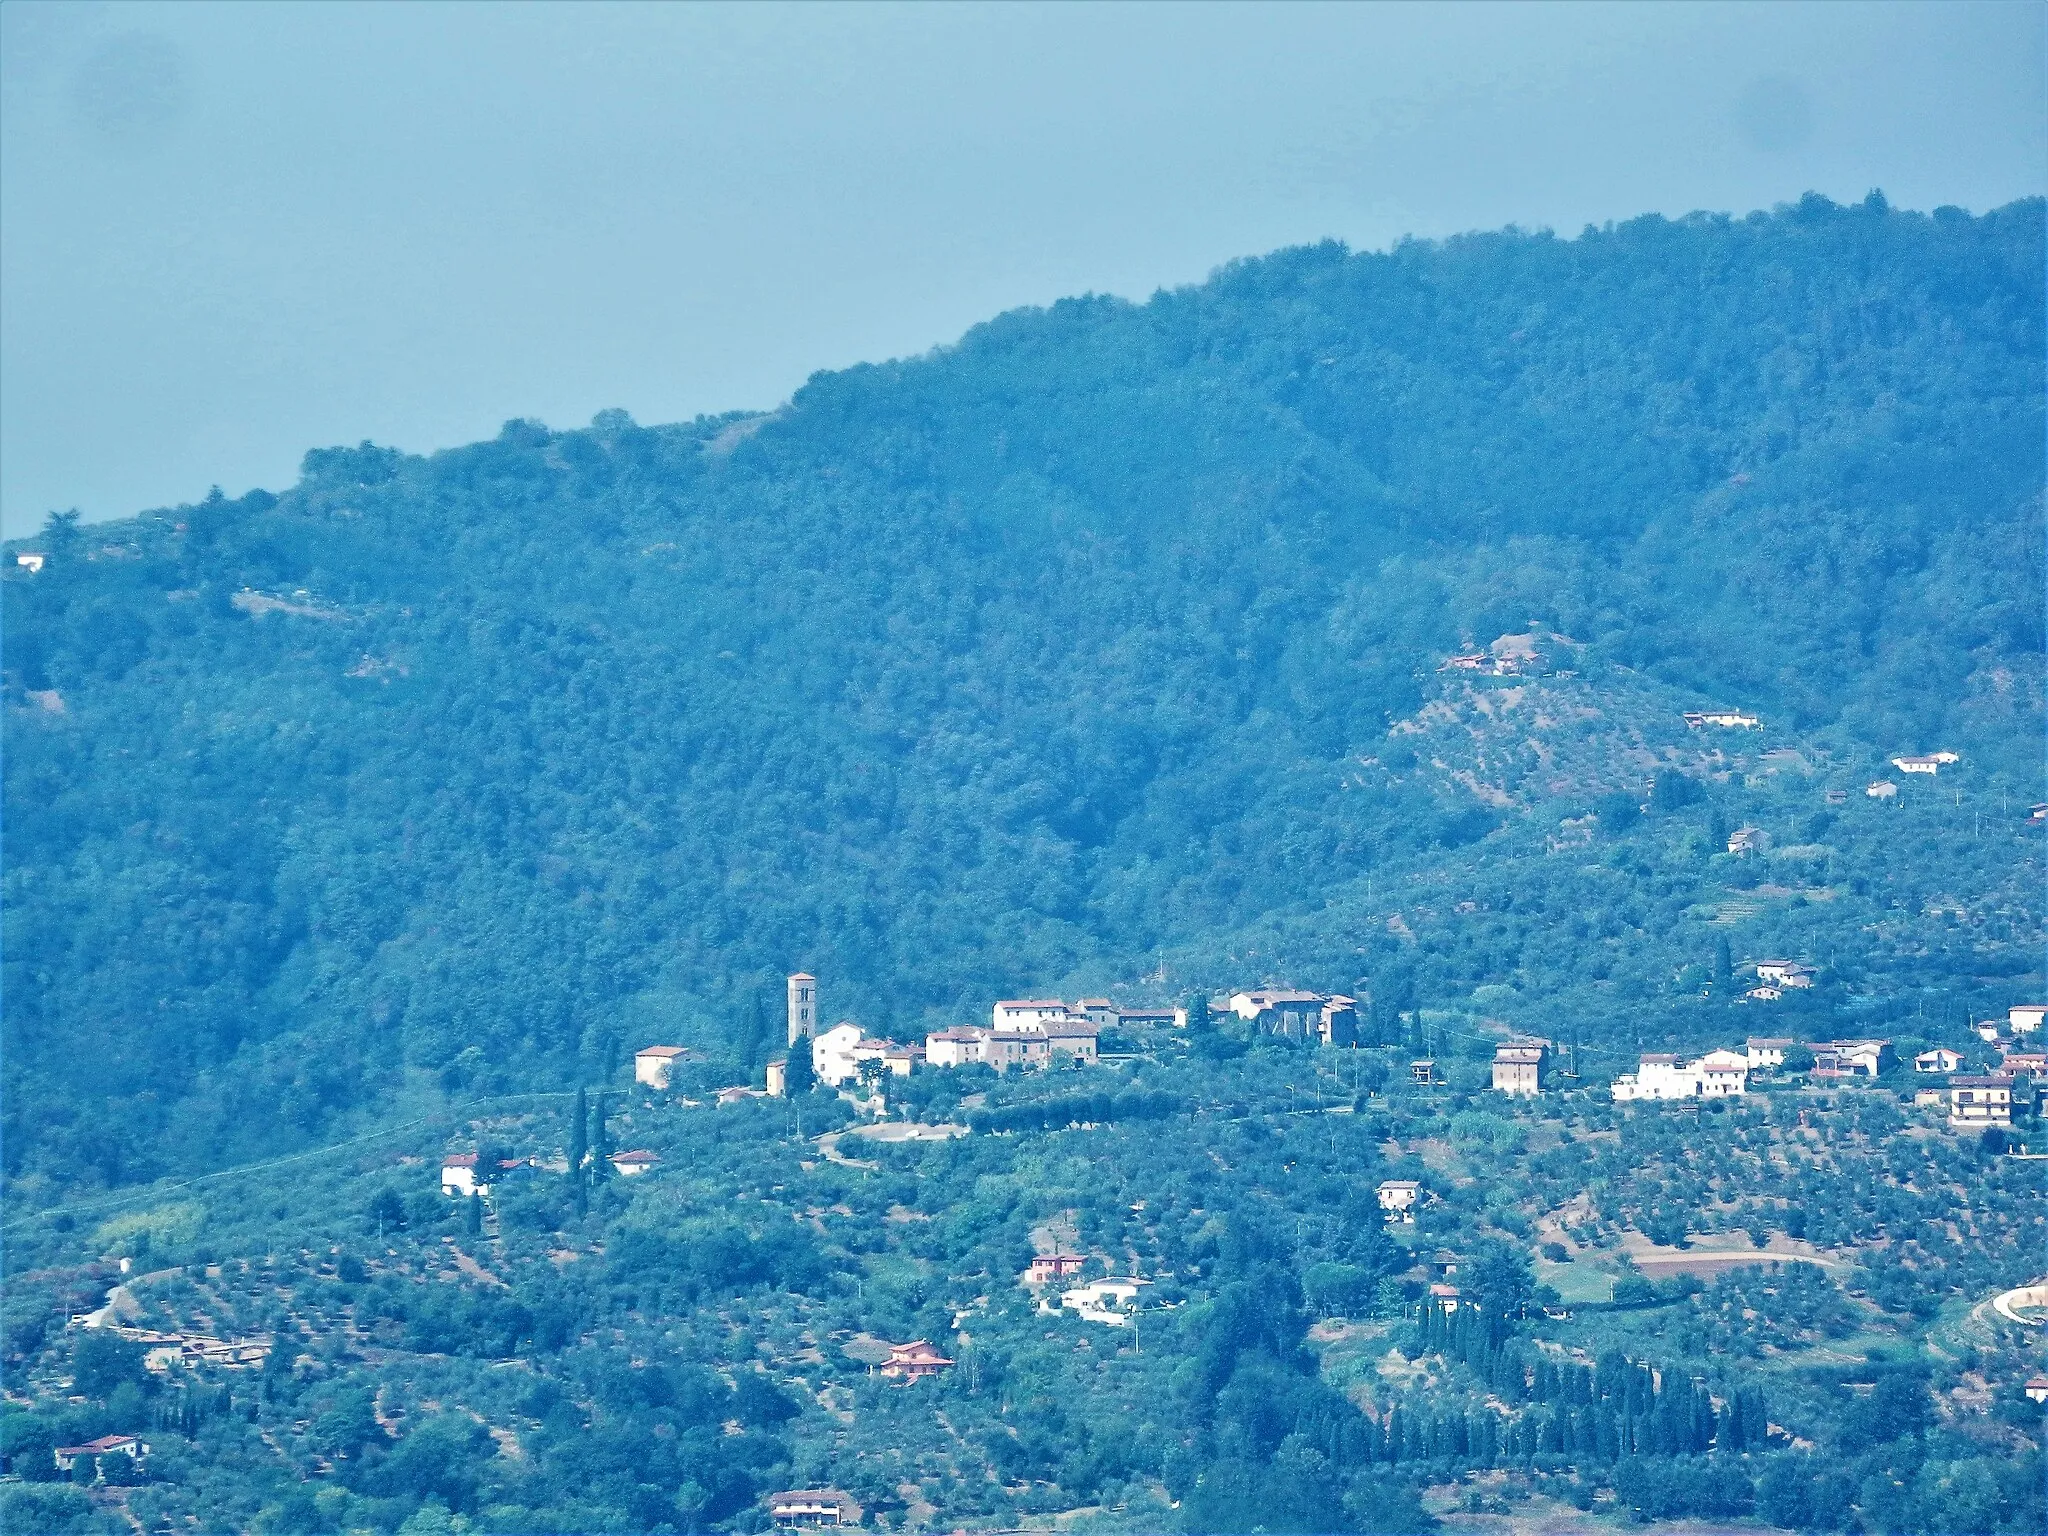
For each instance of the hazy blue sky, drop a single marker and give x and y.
(229, 233)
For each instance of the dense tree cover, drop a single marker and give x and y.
(1106, 633)
(705, 1333)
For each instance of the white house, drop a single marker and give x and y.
(1030, 1014)
(1765, 1051)
(29, 561)
(1108, 1301)
(1397, 1198)
(634, 1163)
(1851, 1058)
(1695, 718)
(1883, 789)
(955, 1047)
(458, 1174)
(1749, 840)
(1785, 973)
(1661, 1075)
(2025, 1018)
(1926, 765)
(135, 1448)
(813, 1508)
(652, 1064)
(833, 1055)
(1723, 1074)
(1941, 1059)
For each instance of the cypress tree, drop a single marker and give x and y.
(578, 1145)
(578, 1175)
(600, 1141)
(473, 1216)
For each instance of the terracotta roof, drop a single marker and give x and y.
(659, 1050)
(459, 1160)
(916, 1351)
(1031, 1002)
(637, 1155)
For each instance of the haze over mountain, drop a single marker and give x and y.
(1102, 643)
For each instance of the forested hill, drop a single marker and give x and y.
(1105, 639)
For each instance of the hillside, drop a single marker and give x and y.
(1104, 641)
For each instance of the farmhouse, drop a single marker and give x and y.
(1785, 973)
(2037, 1389)
(1108, 1301)
(1661, 1076)
(1926, 765)
(812, 1508)
(1046, 1267)
(1749, 840)
(1696, 718)
(1766, 1051)
(632, 1164)
(67, 1456)
(1073, 1037)
(1723, 1074)
(1397, 1199)
(458, 1174)
(1282, 1011)
(914, 1361)
(2025, 1018)
(1657, 1076)
(1028, 1014)
(652, 1064)
(1941, 1059)
(2027, 1063)
(1883, 789)
(955, 1047)
(1152, 1018)
(1851, 1058)
(1339, 1025)
(1518, 1067)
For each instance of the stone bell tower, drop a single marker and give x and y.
(803, 1007)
